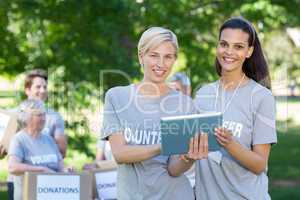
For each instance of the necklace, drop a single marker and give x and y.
(231, 98)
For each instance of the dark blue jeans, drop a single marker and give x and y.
(10, 190)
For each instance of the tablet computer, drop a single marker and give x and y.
(176, 131)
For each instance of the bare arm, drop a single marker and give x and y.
(99, 157)
(124, 153)
(100, 154)
(198, 149)
(61, 142)
(2, 151)
(255, 160)
(61, 166)
(16, 167)
(178, 165)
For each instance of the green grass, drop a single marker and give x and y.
(284, 159)
(3, 195)
(284, 163)
(288, 99)
(279, 193)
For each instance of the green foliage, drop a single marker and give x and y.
(72, 100)
(77, 40)
(285, 60)
(85, 37)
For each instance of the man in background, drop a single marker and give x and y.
(36, 82)
(181, 82)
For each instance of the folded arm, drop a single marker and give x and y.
(124, 153)
(15, 166)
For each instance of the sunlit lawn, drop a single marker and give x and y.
(285, 193)
(284, 159)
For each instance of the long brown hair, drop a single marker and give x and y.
(255, 67)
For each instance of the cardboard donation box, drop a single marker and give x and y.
(105, 180)
(8, 127)
(54, 186)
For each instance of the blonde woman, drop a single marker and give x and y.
(131, 124)
(30, 149)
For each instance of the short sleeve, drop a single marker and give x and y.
(16, 148)
(264, 125)
(59, 125)
(111, 123)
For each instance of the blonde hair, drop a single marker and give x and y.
(154, 36)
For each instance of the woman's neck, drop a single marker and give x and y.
(231, 80)
(32, 132)
(153, 89)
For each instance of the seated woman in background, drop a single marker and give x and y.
(30, 150)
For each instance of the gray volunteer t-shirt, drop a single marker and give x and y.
(55, 125)
(40, 151)
(138, 118)
(250, 115)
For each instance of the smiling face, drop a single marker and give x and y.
(157, 62)
(37, 121)
(38, 89)
(233, 49)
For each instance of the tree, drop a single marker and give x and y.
(76, 40)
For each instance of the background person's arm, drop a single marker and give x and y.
(61, 141)
(2, 151)
(124, 153)
(100, 154)
(59, 134)
(100, 150)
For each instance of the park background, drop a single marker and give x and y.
(89, 46)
